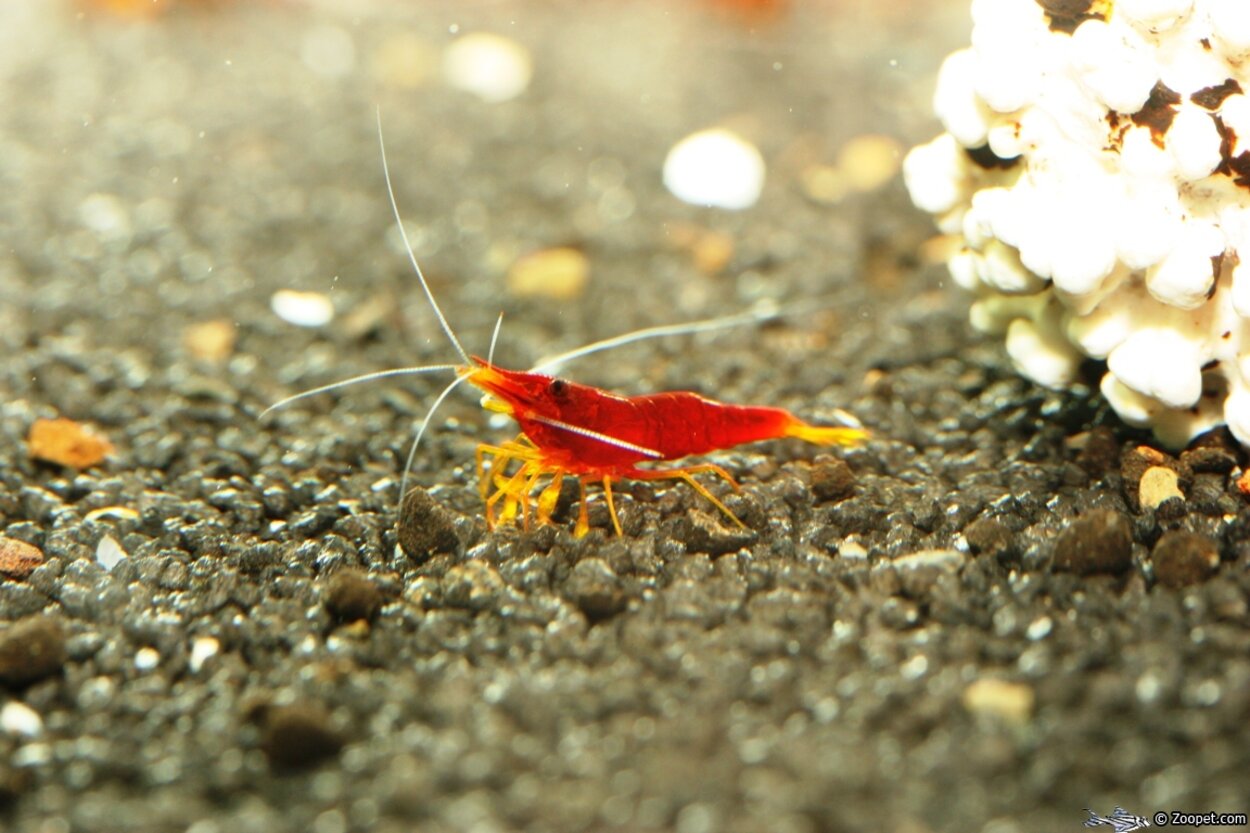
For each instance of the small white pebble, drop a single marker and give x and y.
(716, 168)
(492, 67)
(202, 650)
(109, 553)
(106, 215)
(852, 549)
(1148, 687)
(147, 658)
(20, 720)
(914, 668)
(303, 309)
(1039, 628)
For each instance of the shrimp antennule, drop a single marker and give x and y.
(356, 380)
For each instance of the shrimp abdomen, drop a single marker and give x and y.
(682, 423)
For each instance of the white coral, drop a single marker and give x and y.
(1093, 165)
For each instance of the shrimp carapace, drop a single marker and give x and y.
(597, 436)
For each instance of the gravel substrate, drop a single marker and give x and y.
(1005, 608)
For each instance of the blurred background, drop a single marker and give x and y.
(185, 160)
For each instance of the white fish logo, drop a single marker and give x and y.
(1120, 820)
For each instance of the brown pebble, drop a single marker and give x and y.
(596, 589)
(701, 532)
(1098, 451)
(1099, 542)
(1215, 452)
(1183, 558)
(31, 649)
(1210, 460)
(989, 536)
(425, 526)
(832, 480)
(298, 736)
(15, 782)
(66, 443)
(18, 559)
(350, 596)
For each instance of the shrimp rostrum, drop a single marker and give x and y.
(583, 432)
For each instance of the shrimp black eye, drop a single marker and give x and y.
(558, 388)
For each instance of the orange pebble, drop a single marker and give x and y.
(67, 443)
(18, 558)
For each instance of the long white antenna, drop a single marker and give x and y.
(762, 312)
(355, 380)
(494, 337)
(412, 258)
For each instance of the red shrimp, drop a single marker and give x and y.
(588, 433)
(567, 428)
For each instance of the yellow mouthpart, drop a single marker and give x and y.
(495, 404)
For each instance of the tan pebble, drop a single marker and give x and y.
(560, 274)
(18, 558)
(1158, 483)
(212, 341)
(112, 513)
(867, 162)
(712, 252)
(67, 443)
(1008, 701)
(824, 183)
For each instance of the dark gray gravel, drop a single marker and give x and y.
(894, 645)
